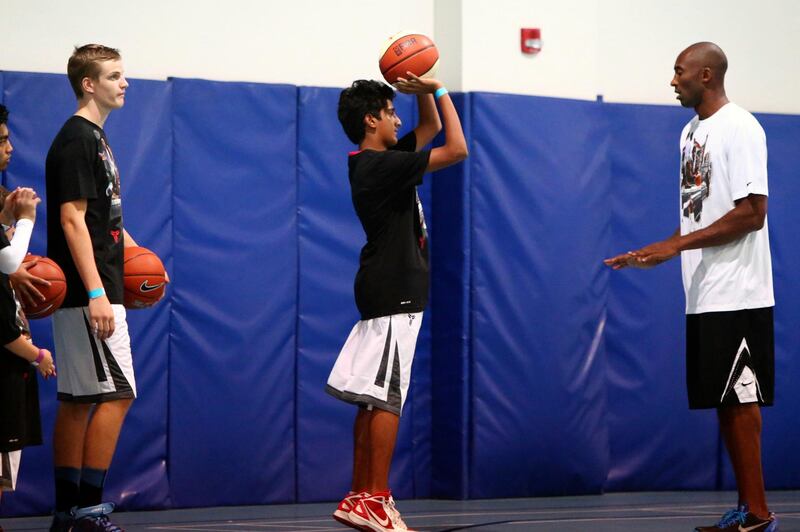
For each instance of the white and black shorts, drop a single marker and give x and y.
(730, 358)
(9, 467)
(374, 366)
(90, 370)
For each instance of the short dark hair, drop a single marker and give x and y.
(362, 98)
(3, 114)
(85, 63)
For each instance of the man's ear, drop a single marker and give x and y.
(706, 74)
(87, 85)
(370, 121)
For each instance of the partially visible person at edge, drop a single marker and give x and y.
(20, 358)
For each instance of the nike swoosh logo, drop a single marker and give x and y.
(747, 383)
(749, 528)
(146, 287)
(384, 523)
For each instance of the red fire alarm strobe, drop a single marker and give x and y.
(531, 40)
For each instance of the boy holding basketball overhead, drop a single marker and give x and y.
(85, 237)
(391, 287)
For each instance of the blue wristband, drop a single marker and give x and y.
(441, 91)
(97, 292)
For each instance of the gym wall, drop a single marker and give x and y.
(623, 50)
(538, 371)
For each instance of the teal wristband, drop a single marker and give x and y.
(441, 91)
(97, 292)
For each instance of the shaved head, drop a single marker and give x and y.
(699, 79)
(707, 55)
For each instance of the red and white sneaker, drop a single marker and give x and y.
(342, 513)
(377, 512)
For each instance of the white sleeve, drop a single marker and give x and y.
(747, 159)
(11, 256)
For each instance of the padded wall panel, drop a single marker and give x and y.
(140, 135)
(646, 316)
(450, 284)
(781, 431)
(234, 294)
(540, 218)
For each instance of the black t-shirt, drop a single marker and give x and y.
(80, 165)
(20, 424)
(393, 273)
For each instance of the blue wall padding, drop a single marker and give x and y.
(645, 338)
(538, 370)
(781, 431)
(232, 342)
(140, 136)
(450, 282)
(329, 237)
(540, 182)
(144, 153)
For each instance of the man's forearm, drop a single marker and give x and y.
(734, 225)
(80, 247)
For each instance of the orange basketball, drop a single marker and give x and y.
(144, 278)
(408, 52)
(53, 294)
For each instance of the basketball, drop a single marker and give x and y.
(408, 52)
(53, 294)
(144, 278)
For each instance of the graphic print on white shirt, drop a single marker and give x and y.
(723, 161)
(695, 174)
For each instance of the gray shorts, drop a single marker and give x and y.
(90, 370)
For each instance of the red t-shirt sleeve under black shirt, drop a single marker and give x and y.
(393, 273)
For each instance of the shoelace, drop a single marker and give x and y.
(732, 517)
(396, 519)
(106, 523)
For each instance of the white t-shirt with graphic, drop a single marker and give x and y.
(723, 159)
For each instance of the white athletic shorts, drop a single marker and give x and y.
(9, 467)
(90, 370)
(374, 366)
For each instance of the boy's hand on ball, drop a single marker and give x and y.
(415, 85)
(24, 283)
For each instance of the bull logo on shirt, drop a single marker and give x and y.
(112, 189)
(695, 176)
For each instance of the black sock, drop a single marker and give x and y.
(92, 482)
(67, 487)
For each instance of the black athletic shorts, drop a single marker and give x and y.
(730, 358)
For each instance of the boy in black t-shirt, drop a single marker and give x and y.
(391, 287)
(19, 357)
(85, 236)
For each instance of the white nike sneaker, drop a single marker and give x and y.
(377, 512)
(345, 508)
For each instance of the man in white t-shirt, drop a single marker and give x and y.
(727, 272)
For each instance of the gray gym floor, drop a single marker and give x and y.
(616, 512)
